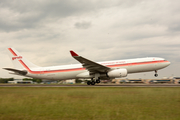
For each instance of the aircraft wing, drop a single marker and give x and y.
(91, 66)
(16, 71)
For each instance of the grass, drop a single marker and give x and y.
(89, 103)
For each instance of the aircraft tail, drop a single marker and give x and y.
(19, 61)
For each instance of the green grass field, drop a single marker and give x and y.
(31, 103)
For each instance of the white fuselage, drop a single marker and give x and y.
(73, 71)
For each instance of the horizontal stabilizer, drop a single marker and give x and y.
(16, 71)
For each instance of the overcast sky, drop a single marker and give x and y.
(101, 30)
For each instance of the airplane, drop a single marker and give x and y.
(94, 71)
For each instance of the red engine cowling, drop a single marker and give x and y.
(117, 73)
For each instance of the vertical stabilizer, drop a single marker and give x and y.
(18, 60)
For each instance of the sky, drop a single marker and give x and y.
(44, 31)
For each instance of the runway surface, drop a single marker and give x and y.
(84, 85)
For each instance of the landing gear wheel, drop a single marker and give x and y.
(98, 81)
(93, 83)
(155, 75)
(88, 82)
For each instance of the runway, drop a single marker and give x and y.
(84, 85)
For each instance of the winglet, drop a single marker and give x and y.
(73, 53)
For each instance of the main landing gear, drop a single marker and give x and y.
(93, 82)
(155, 73)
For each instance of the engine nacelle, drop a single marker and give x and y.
(117, 73)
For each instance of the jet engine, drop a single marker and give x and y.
(117, 73)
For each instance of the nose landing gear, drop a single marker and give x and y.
(155, 73)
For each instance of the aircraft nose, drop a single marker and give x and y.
(168, 63)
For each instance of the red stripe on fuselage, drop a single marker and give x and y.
(136, 63)
(78, 69)
(50, 71)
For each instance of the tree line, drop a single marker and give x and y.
(5, 80)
